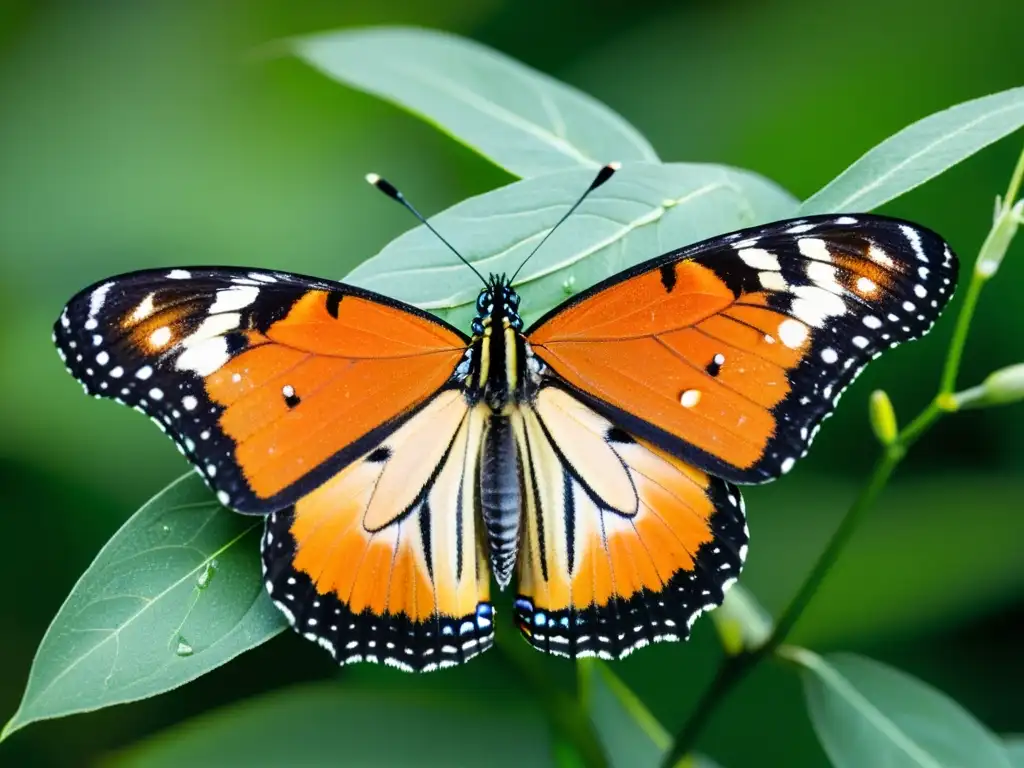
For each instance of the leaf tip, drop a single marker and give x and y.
(10, 727)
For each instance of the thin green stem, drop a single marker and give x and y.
(963, 325)
(1013, 189)
(734, 668)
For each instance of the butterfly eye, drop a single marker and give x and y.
(482, 302)
(513, 300)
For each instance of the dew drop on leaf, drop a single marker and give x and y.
(569, 285)
(183, 649)
(206, 576)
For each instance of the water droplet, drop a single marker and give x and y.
(569, 285)
(689, 398)
(669, 202)
(206, 576)
(183, 649)
(165, 528)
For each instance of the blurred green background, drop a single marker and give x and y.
(142, 134)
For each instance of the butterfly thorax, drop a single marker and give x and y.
(499, 368)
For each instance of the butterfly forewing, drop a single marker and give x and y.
(268, 382)
(729, 353)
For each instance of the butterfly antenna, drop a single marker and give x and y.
(392, 191)
(603, 175)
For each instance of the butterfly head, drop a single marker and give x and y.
(497, 302)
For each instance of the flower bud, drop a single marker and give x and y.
(883, 417)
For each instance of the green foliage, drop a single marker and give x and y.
(175, 593)
(327, 724)
(521, 119)
(920, 152)
(866, 713)
(629, 733)
(645, 210)
(1015, 751)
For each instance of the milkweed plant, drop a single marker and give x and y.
(177, 591)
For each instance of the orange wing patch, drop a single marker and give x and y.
(730, 353)
(594, 580)
(377, 569)
(315, 383)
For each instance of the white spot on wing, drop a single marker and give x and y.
(758, 258)
(799, 229)
(160, 337)
(179, 274)
(96, 300)
(689, 398)
(814, 304)
(814, 248)
(792, 333)
(204, 358)
(773, 281)
(238, 297)
(915, 241)
(866, 286)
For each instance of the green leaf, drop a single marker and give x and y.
(1015, 750)
(631, 735)
(866, 713)
(521, 119)
(175, 593)
(327, 724)
(644, 211)
(741, 621)
(919, 152)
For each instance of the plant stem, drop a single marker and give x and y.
(734, 668)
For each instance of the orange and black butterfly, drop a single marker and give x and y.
(592, 458)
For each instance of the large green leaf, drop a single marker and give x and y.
(327, 724)
(521, 119)
(644, 211)
(175, 593)
(866, 713)
(920, 152)
(1015, 750)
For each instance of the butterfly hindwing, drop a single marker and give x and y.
(622, 543)
(268, 382)
(384, 562)
(729, 353)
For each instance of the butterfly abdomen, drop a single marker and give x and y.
(501, 497)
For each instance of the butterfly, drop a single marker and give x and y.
(593, 458)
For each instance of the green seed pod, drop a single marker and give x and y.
(883, 417)
(1005, 385)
